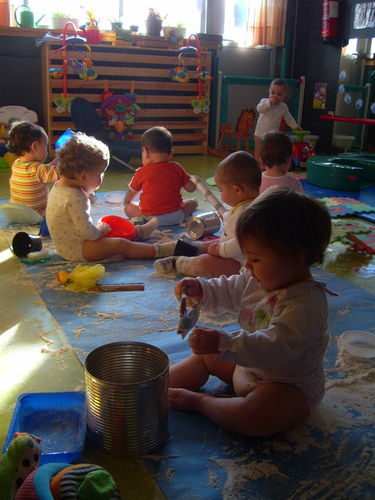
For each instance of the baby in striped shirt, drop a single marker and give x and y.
(30, 176)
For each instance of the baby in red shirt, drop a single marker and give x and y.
(160, 181)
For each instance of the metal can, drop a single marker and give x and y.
(202, 225)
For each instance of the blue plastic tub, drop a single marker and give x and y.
(58, 418)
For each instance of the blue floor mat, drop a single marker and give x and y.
(331, 456)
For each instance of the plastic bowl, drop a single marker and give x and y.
(58, 418)
(359, 343)
(114, 197)
(121, 228)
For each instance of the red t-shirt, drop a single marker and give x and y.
(161, 185)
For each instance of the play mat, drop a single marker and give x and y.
(330, 456)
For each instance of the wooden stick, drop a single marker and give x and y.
(124, 287)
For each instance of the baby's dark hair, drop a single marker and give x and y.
(240, 167)
(275, 148)
(280, 82)
(288, 222)
(157, 140)
(81, 153)
(22, 135)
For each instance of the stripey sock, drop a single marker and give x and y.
(164, 249)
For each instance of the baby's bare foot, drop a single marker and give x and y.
(184, 400)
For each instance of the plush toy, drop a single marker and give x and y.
(21, 478)
(22, 458)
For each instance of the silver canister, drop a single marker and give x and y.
(127, 398)
(203, 225)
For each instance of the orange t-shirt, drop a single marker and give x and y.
(160, 185)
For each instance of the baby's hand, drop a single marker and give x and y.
(213, 249)
(298, 128)
(204, 340)
(273, 100)
(104, 228)
(194, 291)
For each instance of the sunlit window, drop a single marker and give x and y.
(174, 12)
(351, 48)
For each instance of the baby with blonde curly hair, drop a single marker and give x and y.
(83, 161)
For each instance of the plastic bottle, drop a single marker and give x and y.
(4, 13)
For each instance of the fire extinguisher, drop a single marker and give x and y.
(330, 21)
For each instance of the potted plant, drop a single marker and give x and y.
(154, 22)
(178, 29)
(116, 22)
(59, 20)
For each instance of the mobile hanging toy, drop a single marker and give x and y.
(199, 104)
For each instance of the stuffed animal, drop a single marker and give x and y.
(22, 458)
(21, 478)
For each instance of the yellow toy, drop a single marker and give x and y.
(81, 278)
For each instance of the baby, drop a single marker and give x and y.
(238, 178)
(160, 181)
(82, 163)
(271, 110)
(276, 155)
(30, 175)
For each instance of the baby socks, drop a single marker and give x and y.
(146, 230)
(170, 264)
(164, 249)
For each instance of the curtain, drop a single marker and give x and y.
(266, 22)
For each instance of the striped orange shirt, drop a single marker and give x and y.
(29, 184)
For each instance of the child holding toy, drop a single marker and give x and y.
(238, 178)
(160, 181)
(275, 360)
(271, 110)
(276, 151)
(30, 176)
(82, 163)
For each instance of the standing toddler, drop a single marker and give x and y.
(271, 110)
(30, 176)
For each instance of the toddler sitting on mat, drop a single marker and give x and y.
(160, 181)
(30, 176)
(238, 178)
(276, 151)
(82, 163)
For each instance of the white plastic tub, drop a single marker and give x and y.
(342, 141)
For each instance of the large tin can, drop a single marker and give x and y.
(127, 398)
(202, 225)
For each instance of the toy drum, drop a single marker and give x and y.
(202, 225)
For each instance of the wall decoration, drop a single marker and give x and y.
(320, 95)
(364, 15)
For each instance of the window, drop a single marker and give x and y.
(174, 11)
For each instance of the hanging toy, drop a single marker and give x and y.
(63, 104)
(199, 104)
(88, 73)
(179, 74)
(55, 73)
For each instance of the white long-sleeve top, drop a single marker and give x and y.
(270, 117)
(229, 247)
(283, 334)
(69, 222)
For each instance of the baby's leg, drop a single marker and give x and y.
(207, 266)
(267, 410)
(190, 205)
(109, 247)
(257, 143)
(132, 209)
(193, 372)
